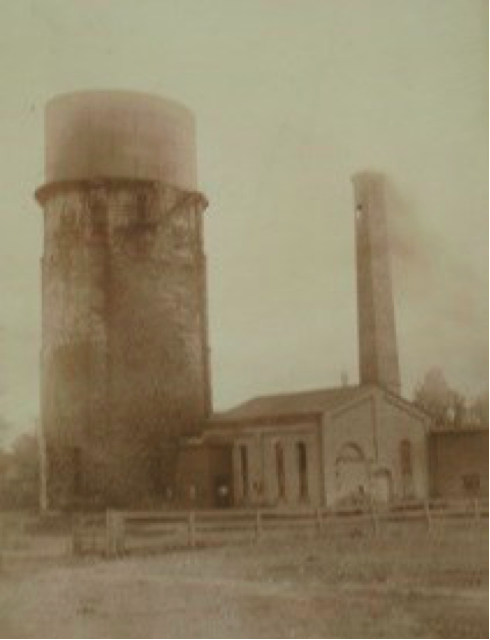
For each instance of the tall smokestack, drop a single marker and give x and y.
(378, 352)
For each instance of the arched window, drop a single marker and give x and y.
(350, 452)
(244, 469)
(406, 467)
(280, 470)
(302, 470)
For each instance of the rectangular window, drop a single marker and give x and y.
(244, 470)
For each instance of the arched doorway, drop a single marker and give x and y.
(351, 471)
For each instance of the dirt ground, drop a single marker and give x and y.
(403, 585)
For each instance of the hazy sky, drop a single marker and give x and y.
(291, 97)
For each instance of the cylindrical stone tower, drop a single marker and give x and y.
(125, 360)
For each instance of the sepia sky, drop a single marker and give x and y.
(291, 97)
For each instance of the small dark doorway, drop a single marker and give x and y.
(222, 492)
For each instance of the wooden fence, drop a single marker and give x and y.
(118, 532)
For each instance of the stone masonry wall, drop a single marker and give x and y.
(125, 366)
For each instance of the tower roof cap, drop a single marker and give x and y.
(120, 134)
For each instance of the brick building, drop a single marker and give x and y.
(312, 448)
(323, 447)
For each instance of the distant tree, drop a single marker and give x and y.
(478, 409)
(26, 460)
(5, 430)
(458, 409)
(434, 396)
(5, 457)
(4, 466)
(448, 406)
(20, 474)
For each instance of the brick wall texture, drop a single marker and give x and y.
(378, 351)
(125, 366)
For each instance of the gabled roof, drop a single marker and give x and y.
(283, 405)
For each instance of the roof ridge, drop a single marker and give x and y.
(304, 392)
(301, 402)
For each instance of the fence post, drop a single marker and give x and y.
(374, 516)
(258, 525)
(115, 542)
(428, 515)
(120, 533)
(319, 520)
(77, 535)
(2, 540)
(109, 534)
(332, 519)
(191, 529)
(477, 510)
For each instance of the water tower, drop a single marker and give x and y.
(125, 358)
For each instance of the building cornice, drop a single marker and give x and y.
(49, 189)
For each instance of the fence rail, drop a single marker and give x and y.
(118, 532)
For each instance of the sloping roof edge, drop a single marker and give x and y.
(310, 404)
(305, 405)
